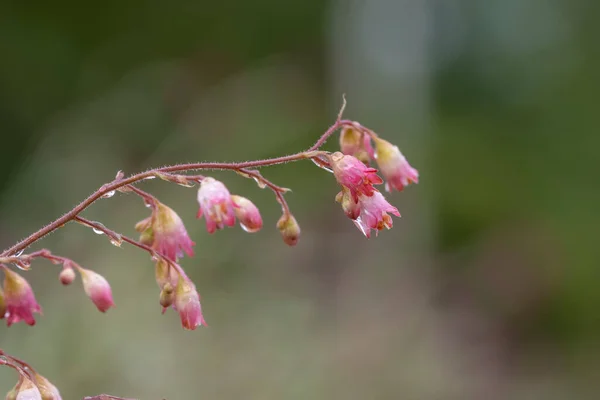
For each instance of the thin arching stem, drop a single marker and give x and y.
(133, 179)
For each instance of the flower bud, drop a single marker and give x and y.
(47, 389)
(187, 303)
(165, 274)
(247, 213)
(19, 299)
(167, 295)
(289, 228)
(351, 208)
(394, 166)
(24, 390)
(97, 289)
(2, 305)
(357, 144)
(67, 276)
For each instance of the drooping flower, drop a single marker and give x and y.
(97, 288)
(19, 299)
(46, 388)
(187, 304)
(394, 166)
(289, 228)
(357, 144)
(164, 231)
(215, 205)
(247, 213)
(353, 174)
(374, 214)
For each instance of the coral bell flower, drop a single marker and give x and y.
(187, 303)
(353, 174)
(247, 213)
(25, 390)
(164, 232)
(394, 167)
(97, 289)
(19, 299)
(352, 145)
(374, 214)
(215, 204)
(46, 388)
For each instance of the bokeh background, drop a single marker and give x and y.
(487, 287)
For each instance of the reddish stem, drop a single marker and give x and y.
(121, 182)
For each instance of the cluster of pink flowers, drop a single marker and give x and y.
(360, 200)
(165, 237)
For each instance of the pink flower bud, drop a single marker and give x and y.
(97, 289)
(394, 167)
(289, 228)
(374, 214)
(247, 213)
(67, 276)
(357, 144)
(19, 299)
(353, 174)
(164, 231)
(47, 389)
(215, 204)
(187, 303)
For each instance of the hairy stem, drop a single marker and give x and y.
(122, 182)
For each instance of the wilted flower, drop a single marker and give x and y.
(353, 174)
(164, 231)
(289, 228)
(394, 166)
(187, 304)
(357, 144)
(97, 288)
(19, 299)
(247, 213)
(374, 214)
(215, 205)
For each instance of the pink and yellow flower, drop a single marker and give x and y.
(374, 214)
(187, 304)
(357, 144)
(164, 231)
(97, 288)
(215, 205)
(354, 175)
(394, 166)
(289, 228)
(247, 214)
(20, 302)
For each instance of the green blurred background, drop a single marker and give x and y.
(487, 287)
